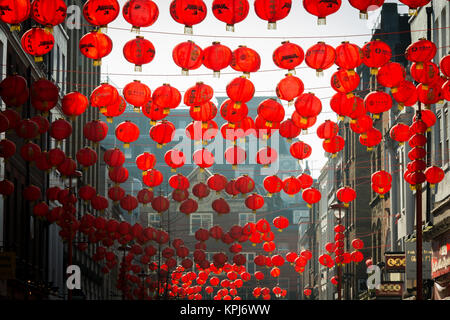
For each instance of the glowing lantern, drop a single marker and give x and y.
(96, 46)
(74, 104)
(127, 132)
(153, 178)
(273, 184)
(49, 12)
(334, 145)
(311, 196)
(145, 161)
(37, 42)
(101, 12)
(346, 195)
(14, 12)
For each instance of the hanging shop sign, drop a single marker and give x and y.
(411, 260)
(390, 289)
(395, 262)
(440, 262)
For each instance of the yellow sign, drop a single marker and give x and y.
(7, 265)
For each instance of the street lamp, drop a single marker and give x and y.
(339, 213)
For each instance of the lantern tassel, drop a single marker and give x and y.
(216, 74)
(272, 26)
(14, 27)
(138, 68)
(230, 27)
(38, 59)
(97, 63)
(363, 15)
(184, 72)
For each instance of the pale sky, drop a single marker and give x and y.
(344, 25)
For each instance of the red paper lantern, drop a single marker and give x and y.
(291, 186)
(74, 104)
(344, 81)
(308, 105)
(240, 90)
(160, 204)
(145, 196)
(300, 150)
(254, 202)
(321, 9)
(198, 95)
(434, 175)
(376, 53)
(320, 56)
(235, 155)
(140, 13)
(406, 90)
(14, 92)
(377, 102)
(129, 203)
(60, 129)
(101, 12)
(334, 145)
(311, 196)
(30, 151)
(244, 184)
(162, 133)
(348, 56)
(145, 161)
(230, 11)
(95, 130)
(174, 159)
(103, 96)
(400, 133)
(266, 156)
(127, 132)
(139, 51)
(44, 95)
(189, 206)
(153, 178)
(32, 193)
(289, 130)
(95, 46)
(37, 42)
(179, 181)
(167, 97)
(86, 157)
(288, 56)
(203, 158)
(365, 5)
(426, 72)
(372, 138)
(14, 12)
(49, 12)
(188, 12)
(346, 195)
(118, 174)
(272, 111)
(273, 184)
(421, 51)
(42, 123)
(245, 60)
(272, 11)
(444, 65)
(27, 129)
(281, 223)
(391, 75)
(220, 206)
(114, 157)
(327, 130)
(188, 56)
(290, 88)
(216, 57)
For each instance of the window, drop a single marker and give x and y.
(154, 219)
(244, 218)
(445, 137)
(283, 248)
(250, 264)
(204, 220)
(299, 215)
(401, 159)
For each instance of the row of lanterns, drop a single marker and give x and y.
(144, 13)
